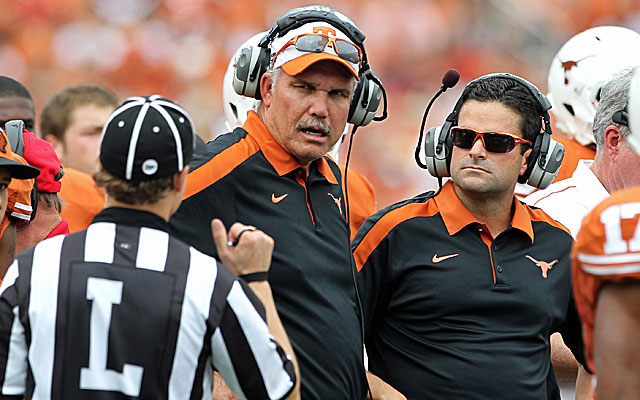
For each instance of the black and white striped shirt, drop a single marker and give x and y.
(124, 310)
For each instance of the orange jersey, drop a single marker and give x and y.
(82, 199)
(362, 198)
(573, 152)
(607, 250)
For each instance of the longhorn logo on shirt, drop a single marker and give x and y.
(544, 266)
(337, 201)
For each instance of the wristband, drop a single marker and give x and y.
(255, 276)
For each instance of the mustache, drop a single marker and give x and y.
(315, 124)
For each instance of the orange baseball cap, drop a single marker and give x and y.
(294, 61)
(17, 169)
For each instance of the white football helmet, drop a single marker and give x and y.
(579, 70)
(236, 106)
(634, 112)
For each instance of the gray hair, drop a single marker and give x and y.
(275, 75)
(613, 98)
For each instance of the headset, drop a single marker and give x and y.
(546, 156)
(14, 129)
(253, 62)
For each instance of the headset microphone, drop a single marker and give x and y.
(449, 80)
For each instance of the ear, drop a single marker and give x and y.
(57, 144)
(266, 89)
(180, 182)
(525, 162)
(612, 141)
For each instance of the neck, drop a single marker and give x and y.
(162, 208)
(491, 209)
(601, 171)
(268, 121)
(47, 218)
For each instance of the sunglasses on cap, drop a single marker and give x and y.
(494, 142)
(316, 43)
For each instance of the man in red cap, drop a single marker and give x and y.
(47, 222)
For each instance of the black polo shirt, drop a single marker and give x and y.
(245, 176)
(451, 312)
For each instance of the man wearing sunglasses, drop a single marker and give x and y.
(462, 289)
(271, 173)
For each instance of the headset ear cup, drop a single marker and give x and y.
(532, 160)
(250, 66)
(355, 100)
(35, 197)
(366, 98)
(544, 171)
(438, 161)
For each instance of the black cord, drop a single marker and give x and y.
(424, 121)
(351, 259)
(384, 99)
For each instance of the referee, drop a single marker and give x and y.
(124, 310)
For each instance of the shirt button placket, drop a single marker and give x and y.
(496, 262)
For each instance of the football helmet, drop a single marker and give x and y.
(236, 106)
(579, 70)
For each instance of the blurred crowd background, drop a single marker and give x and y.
(180, 49)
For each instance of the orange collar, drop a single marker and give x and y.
(456, 216)
(281, 161)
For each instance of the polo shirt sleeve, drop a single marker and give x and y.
(372, 257)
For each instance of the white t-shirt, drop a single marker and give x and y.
(568, 201)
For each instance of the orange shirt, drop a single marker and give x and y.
(82, 199)
(362, 198)
(573, 152)
(604, 252)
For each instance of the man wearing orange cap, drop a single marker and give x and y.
(16, 103)
(272, 174)
(12, 166)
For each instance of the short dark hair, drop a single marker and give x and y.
(56, 114)
(134, 192)
(11, 87)
(52, 200)
(512, 94)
